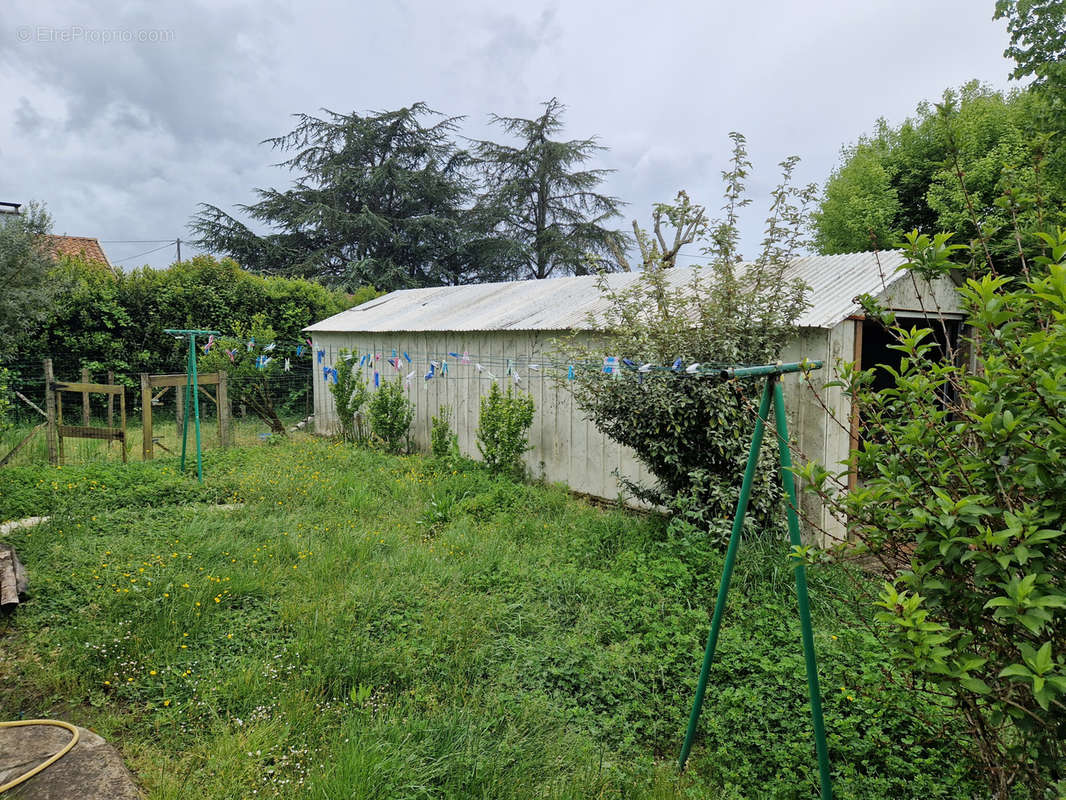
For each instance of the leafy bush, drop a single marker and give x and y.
(244, 358)
(24, 266)
(350, 394)
(963, 503)
(442, 442)
(693, 433)
(501, 434)
(108, 320)
(5, 398)
(390, 415)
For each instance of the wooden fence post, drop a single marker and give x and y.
(222, 395)
(110, 405)
(147, 452)
(122, 412)
(50, 411)
(85, 399)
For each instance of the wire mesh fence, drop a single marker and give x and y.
(290, 393)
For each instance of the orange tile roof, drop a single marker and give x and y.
(84, 246)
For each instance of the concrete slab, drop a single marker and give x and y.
(93, 770)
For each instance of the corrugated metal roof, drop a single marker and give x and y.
(565, 303)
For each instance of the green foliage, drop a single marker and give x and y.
(1037, 40)
(244, 358)
(980, 156)
(391, 414)
(105, 320)
(501, 432)
(534, 647)
(6, 398)
(692, 433)
(24, 265)
(442, 441)
(350, 394)
(547, 206)
(377, 199)
(962, 500)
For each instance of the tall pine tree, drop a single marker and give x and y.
(381, 199)
(549, 217)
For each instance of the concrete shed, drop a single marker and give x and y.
(510, 328)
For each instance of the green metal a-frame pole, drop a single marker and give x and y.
(192, 396)
(771, 391)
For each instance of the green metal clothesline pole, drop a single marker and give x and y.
(773, 390)
(727, 572)
(800, 570)
(192, 396)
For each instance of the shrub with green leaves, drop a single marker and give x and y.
(350, 395)
(964, 504)
(501, 434)
(5, 398)
(692, 433)
(391, 414)
(249, 368)
(442, 441)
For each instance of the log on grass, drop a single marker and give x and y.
(13, 581)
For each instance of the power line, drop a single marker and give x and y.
(147, 252)
(134, 241)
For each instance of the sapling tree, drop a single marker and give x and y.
(350, 395)
(250, 368)
(390, 414)
(692, 433)
(502, 425)
(961, 506)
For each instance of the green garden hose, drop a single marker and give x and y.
(51, 759)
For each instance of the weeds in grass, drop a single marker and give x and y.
(315, 642)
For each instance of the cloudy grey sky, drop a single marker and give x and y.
(121, 117)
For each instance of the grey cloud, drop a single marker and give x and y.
(122, 140)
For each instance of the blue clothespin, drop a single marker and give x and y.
(321, 356)
(377, 380)
(570, 372)
(630, 364)
(299, 350)
(677, 365)
(407, 358)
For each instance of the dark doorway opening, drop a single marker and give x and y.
(876, 351)
(877, 342)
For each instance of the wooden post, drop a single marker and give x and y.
(85, 399)
(110, 405)
(59, 424)
(179, 410)
(856, 429)
(50, 406)
(147, 452)
(222, 395)
(122, 415)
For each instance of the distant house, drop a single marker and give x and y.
(500, 324)
(84, 247)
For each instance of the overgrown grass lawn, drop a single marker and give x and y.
(366, 626)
